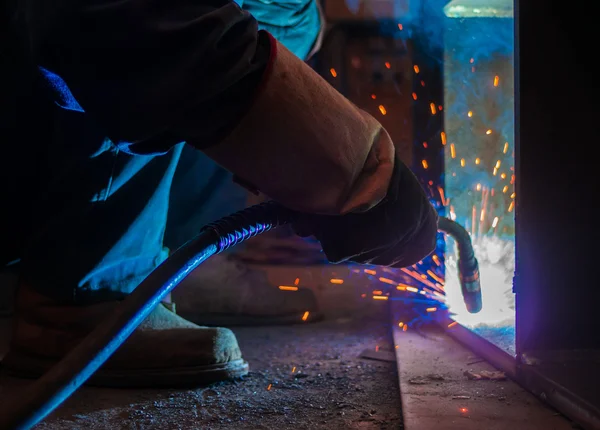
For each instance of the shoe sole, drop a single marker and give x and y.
(27, 366)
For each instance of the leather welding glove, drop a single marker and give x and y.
(306, 146)
(398, 232)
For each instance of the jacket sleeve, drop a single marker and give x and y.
(144, 68)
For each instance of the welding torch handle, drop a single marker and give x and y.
(468, 266)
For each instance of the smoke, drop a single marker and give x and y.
(479, 165)
(472, 43)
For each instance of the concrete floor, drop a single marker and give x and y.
(307, 376)
(312, 376)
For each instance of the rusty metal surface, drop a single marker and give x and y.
(570, 383)
(439, 388)
(566, 380)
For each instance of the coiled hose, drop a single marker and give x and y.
(44, 395)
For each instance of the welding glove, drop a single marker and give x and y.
(398, 232)
(306, 146)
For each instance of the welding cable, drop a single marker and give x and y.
(468, 267)
(41, 397)
(44, 395)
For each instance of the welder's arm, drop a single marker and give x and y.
(306, 146)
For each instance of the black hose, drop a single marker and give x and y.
(468, 267)
(47, 393)
(44, 395)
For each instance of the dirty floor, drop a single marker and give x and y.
(306, 376)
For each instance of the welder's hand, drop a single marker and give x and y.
(398, 232)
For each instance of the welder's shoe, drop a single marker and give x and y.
(164, 351)
(227, 292)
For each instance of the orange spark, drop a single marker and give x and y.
(442, 196)
(435, 277)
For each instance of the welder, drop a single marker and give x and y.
(100, 97)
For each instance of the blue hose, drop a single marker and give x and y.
(44, 395)
(41, 397)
